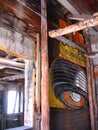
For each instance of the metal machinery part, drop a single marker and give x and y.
(69, 83)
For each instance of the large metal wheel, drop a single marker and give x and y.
(69, 83)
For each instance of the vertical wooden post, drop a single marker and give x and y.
(44, 69)
(90, 92)
(38, 72)
(94, 95)
(28, 112)
(87, 41)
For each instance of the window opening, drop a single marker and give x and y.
(14, 102)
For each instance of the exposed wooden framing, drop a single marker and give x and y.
(2, 66)
(18, 59)
(11, 63)
(44, 68)
(68, 6)
(11, 78)
(90, 93)
(76, 13)
(87, 41)
(70, 43)
(38, 73)
(75, 27)
(14, 43)
(79, 17)
(9, 21)
(93, 55)
(28, 112)
(10, 85)
(21, 12)
(33, 97)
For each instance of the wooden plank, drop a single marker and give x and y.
(90, 95)
(75, 27)
(68, 6)
(12, 22)
(9, 85)
(44, 67)
(94, 94)
(70, 43)
(12, 78)
(38, 73)
(11, 63)
(87, 41)
(28, 105)
(11, 69)
(21, 12)
(16, 44)
(79, 17)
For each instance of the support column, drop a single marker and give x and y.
(28, 109)
(44, 69)
(90, 91)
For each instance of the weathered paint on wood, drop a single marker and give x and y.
(44, 68)
(14, 43)
(28, 106)
(21, 12)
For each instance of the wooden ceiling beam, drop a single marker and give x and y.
(68, 6)
(11, 63)
(2, 66)
(13, 77)
(75, 27)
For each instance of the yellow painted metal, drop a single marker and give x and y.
(72, 54)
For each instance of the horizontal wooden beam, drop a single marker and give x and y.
(11, 63)
(75, 27)
(68, 6)
(79, 17)
(2, 66)
(13, 77)
(70, 43)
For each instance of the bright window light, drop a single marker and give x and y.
(14, 102)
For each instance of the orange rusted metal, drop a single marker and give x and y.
(69, 100)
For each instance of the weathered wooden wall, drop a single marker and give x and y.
(16, 44)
